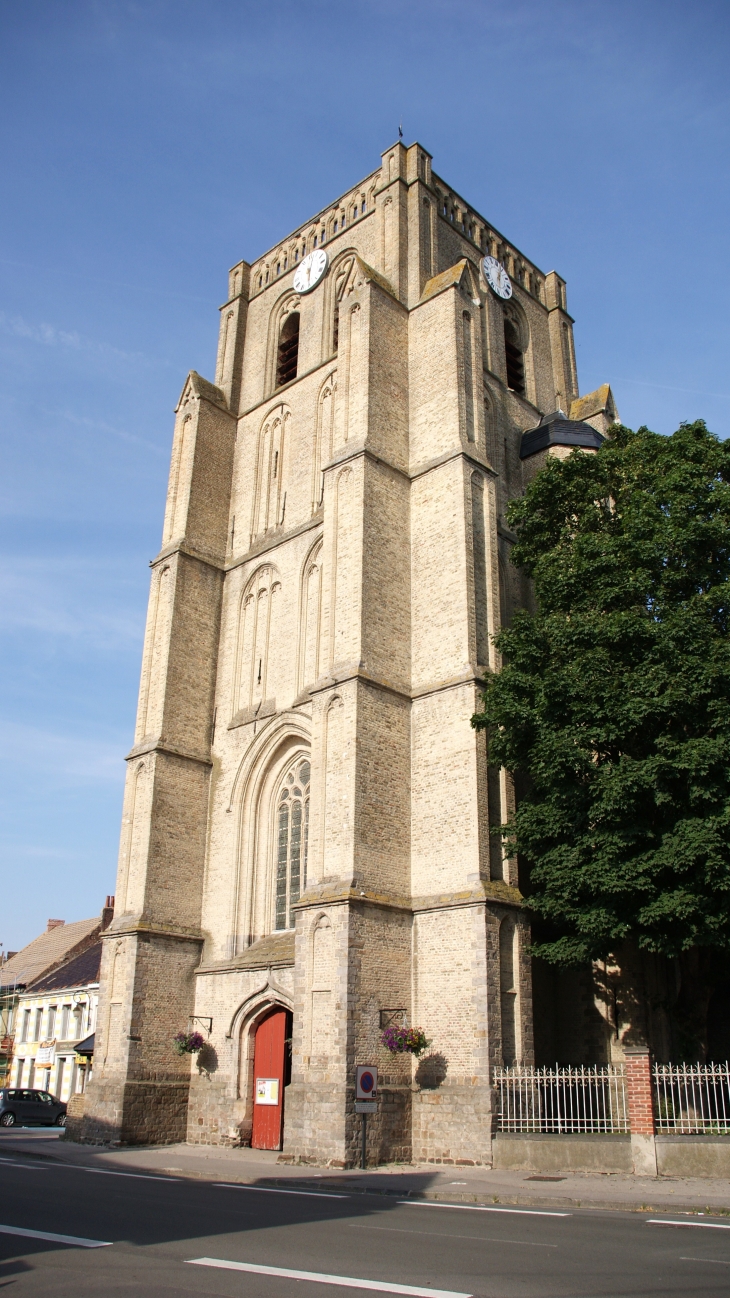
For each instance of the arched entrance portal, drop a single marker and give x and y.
(271, 1073)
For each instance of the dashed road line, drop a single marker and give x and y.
(478, 1207)
(317, 1277)
(704, 1225)
(77, 1240)
(267, 1189)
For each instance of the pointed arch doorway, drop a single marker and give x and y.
(271, 1073)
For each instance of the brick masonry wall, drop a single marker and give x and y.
(639, 1091)
(341, 508)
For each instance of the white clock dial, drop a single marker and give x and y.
(497, 277)
(310, 271)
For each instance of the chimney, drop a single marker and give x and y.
(107, 913)
(54, 923)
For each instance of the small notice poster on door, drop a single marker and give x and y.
(267, 1090)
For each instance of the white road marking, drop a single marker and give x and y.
(478, 1207)
(136, 1176)
(97, 1171)
(706, 1225)
(56, 1239)
(716, 1261)
(346, 1281)
(440, 1234)
(265, 1189)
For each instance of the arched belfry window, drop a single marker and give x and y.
(292, 825)
(514, 356)
(288, 354)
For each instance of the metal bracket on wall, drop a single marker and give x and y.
(205, 1023)
(393, 1018)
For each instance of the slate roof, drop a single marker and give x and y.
(557, 430)
(44, 953)
(77, 972)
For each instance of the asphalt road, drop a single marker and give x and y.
(162, 1235)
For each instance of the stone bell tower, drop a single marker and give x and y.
(308, 814)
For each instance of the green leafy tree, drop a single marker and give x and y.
(613, 704)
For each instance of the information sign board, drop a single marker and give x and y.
(267, 1090)
(46, 1052)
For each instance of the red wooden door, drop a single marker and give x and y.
(268, 1081)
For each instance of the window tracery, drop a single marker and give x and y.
(292, 832)
(514, 349)
(490, 428)
(254, 639)
(271, 471)
(468, 377)
(287, 358)
(324, 436)
(310, 619)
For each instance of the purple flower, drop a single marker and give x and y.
(401, 1040)
(188, 1043)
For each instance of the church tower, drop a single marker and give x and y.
(306, 854)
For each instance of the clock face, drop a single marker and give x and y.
(310, 271)
(497, 277)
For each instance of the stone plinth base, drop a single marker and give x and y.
(75, 1110)
(135, 1113)
(693, 1156)
(322, 1128)
(539, 1152)
(214, 1116)
(453, 1124)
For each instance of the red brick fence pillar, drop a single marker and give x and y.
(640, 1100)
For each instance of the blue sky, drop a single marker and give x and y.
(146, 147)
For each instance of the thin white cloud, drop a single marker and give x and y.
(67, 759)
(49, 335)
(71, 598)
(101, 426)
(665, 387)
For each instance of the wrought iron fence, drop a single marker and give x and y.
(692, 1098)
(562, 1100)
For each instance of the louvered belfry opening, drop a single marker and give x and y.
(336, 329)
(286, 361)
(514, 357)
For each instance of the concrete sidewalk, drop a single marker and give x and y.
(477, 1185)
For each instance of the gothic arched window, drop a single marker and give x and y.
(292, 825)
(514, 356)
(288, 355)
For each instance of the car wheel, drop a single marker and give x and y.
(60, 1120)
(7, 1120)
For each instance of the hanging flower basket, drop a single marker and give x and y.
(405, 1041)
(188, 1043)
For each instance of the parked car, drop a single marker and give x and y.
(30, 1109)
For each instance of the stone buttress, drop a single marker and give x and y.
(307, 815)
